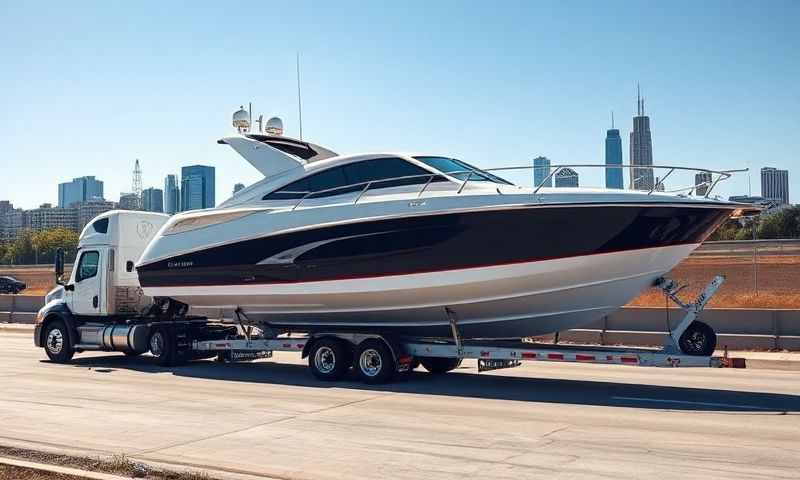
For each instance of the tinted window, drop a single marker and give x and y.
(352, 175)
(101, 226)
(460, 170)
(87, 268)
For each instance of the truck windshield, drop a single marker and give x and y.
(461, 170)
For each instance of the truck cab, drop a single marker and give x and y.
(103, 280)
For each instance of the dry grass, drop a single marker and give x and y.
(778, 280)
(117, 465)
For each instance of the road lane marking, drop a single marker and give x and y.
(688, 402)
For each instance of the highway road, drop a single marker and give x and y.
(541, 420)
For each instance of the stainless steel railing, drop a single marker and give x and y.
(363, 187)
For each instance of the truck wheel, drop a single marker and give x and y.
(698, 340)
(162, 346)
(374, 362)
(56, 342)
(329, 359)
(438, 365)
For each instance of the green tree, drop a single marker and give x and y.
(784, 223)
(46, 242)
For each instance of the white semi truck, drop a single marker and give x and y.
(102, 307)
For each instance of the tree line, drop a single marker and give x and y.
(783, 223)
(31, 247)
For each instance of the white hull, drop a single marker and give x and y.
(513, 300)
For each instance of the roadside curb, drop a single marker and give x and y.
(16, 327)
(45, 467)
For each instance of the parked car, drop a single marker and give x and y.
(11, 285)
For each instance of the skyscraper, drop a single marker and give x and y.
(613, 157)
(641, 147)
(566, 177)
(775, 185)
(153, 200)
(82, 189)
(197, 187)
(172, 195)
(541, 170)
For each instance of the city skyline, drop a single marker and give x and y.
(478, 84)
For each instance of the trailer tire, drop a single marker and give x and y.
(699, 340)
(56, 342)
(329, 359)
(374, 362)
(439, 365)
(162, 347)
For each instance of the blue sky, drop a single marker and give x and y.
(87, 88)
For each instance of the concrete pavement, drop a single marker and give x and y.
(534, 421)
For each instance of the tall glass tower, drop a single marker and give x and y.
(641, 148)
(613, 157)
(172, 195)
(541, 170)
(197, 187)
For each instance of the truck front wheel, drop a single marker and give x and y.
(56, 342)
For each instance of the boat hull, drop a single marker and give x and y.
(517, 300)
(501, 272)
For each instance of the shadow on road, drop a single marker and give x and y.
(467, 383)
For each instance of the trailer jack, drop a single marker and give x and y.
(676, 340)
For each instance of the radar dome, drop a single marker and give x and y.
(275, 126)
(241, 120)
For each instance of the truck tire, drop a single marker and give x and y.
(329, 359)
(374, 362)
(699, 340)
(162, 347)
(56, 342)
(439, 365)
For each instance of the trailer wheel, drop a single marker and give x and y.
(56, 342)
(329, 359)
(374, 362)
(699, 340)
(162, 347)
(438, 365)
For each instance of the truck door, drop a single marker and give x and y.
(86, 299)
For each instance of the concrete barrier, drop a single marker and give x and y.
(737, 328)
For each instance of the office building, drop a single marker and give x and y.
(172, 195)
(47, 217)
(80, 189)
(566, 177)
(12, 221)
(129, 201)
(237, 187)
(197, 187)
(702, 182)
(641, 149)
(88, 210)
(541, 172)
(613, 157)
(775, 185)
(153, 200)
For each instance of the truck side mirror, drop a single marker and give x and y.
(59, 265)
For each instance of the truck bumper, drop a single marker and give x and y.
(37, 335)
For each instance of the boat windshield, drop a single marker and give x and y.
(461, 170)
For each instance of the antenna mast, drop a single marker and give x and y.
(299, 103)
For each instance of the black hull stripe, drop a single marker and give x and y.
(426, 244)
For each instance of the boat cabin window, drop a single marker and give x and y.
(460, 170)
(352, 177)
